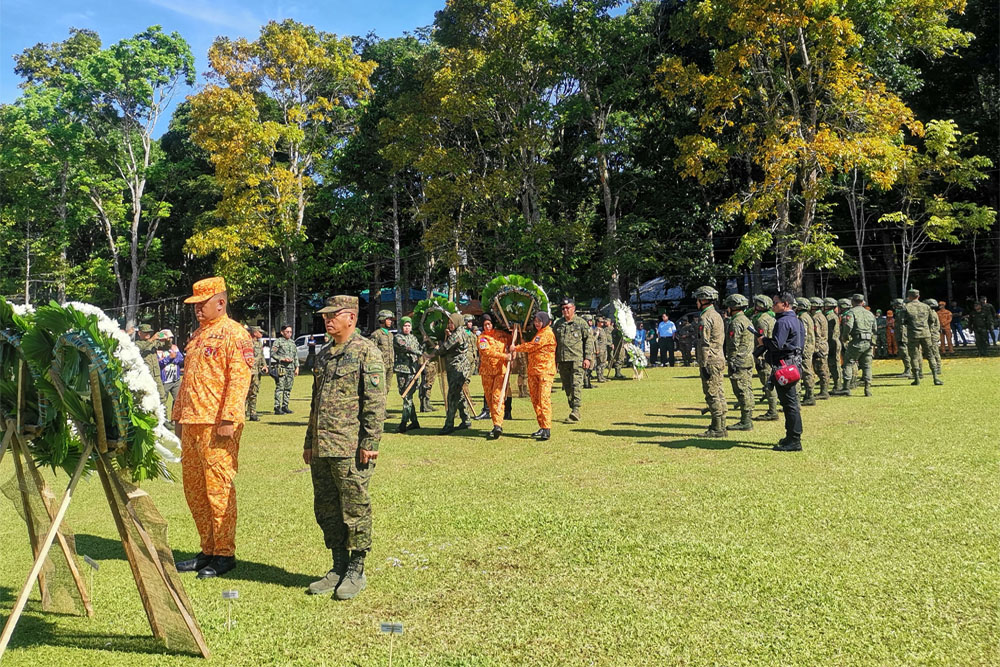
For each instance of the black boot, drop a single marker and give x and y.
(506, 408)
(217, 567)
(485, 414)
(788, 445)
(195, 564)
(414, 424)
(495, 433)
(544, 434)
(448, 429)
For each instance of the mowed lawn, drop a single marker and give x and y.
(625, 540)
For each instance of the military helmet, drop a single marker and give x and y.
(706, 293)
(406, 319)
(913, 292)
(803, 303)
(844, 303)
(736, 301)
(932, 303)
(829, 302)
(469, 318)
(762, 301)
(897, 302)
(384, 315)
(816, 301)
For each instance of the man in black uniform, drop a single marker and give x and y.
(784, 347)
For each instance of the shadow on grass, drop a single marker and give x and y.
(102, 548)
(664, 425)
(296, 424)
(710, 443)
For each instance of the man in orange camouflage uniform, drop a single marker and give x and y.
(541, 351)
(493, 363)
(209, 413)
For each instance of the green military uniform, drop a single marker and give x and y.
(608, 332)
(406, 356)
(822, 353)
(617, 351)
(574, 344)
(980, 322)
(918, 336)
(763, 321)
(934, 324)
(255, 372)
(345, 417)
(382, 338)
(738, 348)
(455, 352)
(473, 352)
(601, 360)
(803, 306)
(712, 360)
(844, 305)
(426, 384)
(592, 348)
(833, 340)
(685, 337)
(899, 308)
(858, 326)
(882, 341)
(283, 364)
(148, 349)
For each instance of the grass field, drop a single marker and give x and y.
(625, 540)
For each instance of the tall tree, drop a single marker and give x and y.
(275, 107)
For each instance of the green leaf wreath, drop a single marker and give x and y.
(431, 316)
(519, 299)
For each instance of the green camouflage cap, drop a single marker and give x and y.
(337, 303)
(588, 317)
(707, 293)
(736, 301)
(762, 301)
(470, 318)
(829, 302)
(897, 301)
(384, 315)
(857, 297)
(816, 301)
(912, 292)
(405, 319)
(145, 328)
(932, 303)
(803, 303)
(253, 328)
(844, 303)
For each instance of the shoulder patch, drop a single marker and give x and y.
(248, 355)
(538, 339)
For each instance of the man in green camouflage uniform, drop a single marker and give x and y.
(858, 326)
(899, 308)
(259, 368)
(426, 385)
(382, 337)
(617, 350)
(711, 359)
(802, 307)
(609, 344)
(763, 322)
(833, 340)
(341, 445)
(685, 340)
(588, 374)
(454, 351)
(918, 336)
(980, 321)
(285, 366)
(149, 344)
(821, 355)
(934, 323)
(473, 353)
(738, 348)
(574, 354)
(406, 356)
(602, 352)
(882, 341)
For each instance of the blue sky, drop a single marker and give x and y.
(24, 23)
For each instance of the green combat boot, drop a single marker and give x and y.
(328, 584)
(574, 416)
(354, 580)
(770, 416)
(745, 424)
(716, 430)
(868, 389)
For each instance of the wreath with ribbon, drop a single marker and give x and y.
(514, 300)
(432, 316)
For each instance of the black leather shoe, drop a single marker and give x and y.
(447, 430)
(538, 433)
(485, 414)
(254, 418)
(217, 567)
(466, 424)
(495, 433)
(287, 411)
(787, 446)
(193, 565)
(544, 434)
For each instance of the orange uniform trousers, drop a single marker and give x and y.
(494, 393)
(209, 463)
(540, 389)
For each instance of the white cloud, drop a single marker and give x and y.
(241, 20)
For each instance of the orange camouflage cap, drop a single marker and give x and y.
(205, 289)
(337, 303)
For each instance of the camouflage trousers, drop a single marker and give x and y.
(456, 399)
(808, 374)
(426, 384)
(571, 376)
(283, 388)
(822, 370)
(982, 342)
(764, 372)
(409, 410)
(904, 354)
(833, 362)
(914, 347)
(341, 503)
(715, 396)
(251, 405)
(858, 358)
(685, 352)
(740, 378)
(602, 365)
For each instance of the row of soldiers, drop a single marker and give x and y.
(839, 336)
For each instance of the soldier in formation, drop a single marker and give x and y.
(899, 310)
(574, 355)
(858, 327)
(406, 351)
(711, 359)
(917, 321)
(588, 374)
(833, 359)
(341, 445)
(382, 337)
(934, 323)
(602, 351)
(980, 323)
(739, 346)
(454, 350)
(259, 368)
(763, 321)
(285, 366)
(686, 334)
(803, 306)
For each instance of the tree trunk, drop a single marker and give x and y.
(395, 252)
(374, 298)
(611, 233)
(61, 216)
(756, 278)
(889, 258)
(27, 263)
